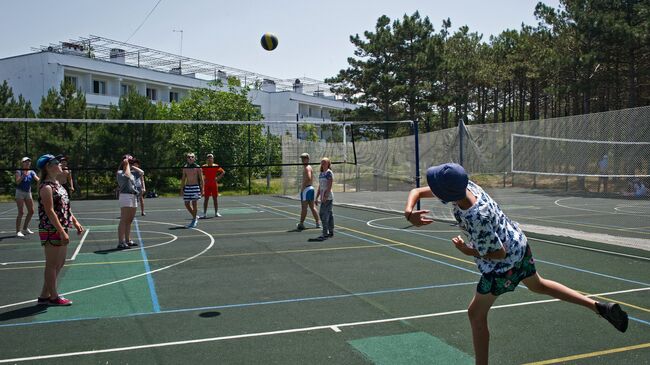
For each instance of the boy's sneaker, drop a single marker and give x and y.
(195, 222)
(123, 245)
(613, 313)
(42, 301)
(143, 214)
(131, 243)
(331, 234)
(300, 226)
(203, 216)
(317, 224)
(59, 301)
(27, 231)
(217, 214)
(20, 234)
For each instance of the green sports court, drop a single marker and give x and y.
(249, 288)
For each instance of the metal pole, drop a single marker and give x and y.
(87, 164)
(461, 132)
(26, 149)
(417, 159)
(249, 156)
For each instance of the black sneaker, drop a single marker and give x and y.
(331, 234)
(613, 313)
(131, 243)
(123, 246)
(42, 300)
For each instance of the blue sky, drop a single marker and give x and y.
(313, 35)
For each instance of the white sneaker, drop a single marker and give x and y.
(202, 216)
(27, 231)
(217, 214)
(20, 234)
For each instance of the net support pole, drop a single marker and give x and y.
(345, 154)
(417, 159)
(25, 139)
(461, 132)
(250, 158)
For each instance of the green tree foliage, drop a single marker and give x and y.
(229, 143)
(586, 56)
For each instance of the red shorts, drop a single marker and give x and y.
(211, 190)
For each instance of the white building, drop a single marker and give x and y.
(105, 69)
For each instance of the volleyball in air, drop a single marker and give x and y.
(269, 41)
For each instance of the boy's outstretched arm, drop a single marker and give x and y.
(417, 217)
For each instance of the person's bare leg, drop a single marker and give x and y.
(19, 217)
(303, 211)
(50, 273)
(549, 287)
(206, 202)
(314, 212)
(478, 313)
(29, 203)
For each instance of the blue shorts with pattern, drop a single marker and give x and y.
(499, 283)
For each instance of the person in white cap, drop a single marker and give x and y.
(307, 193)
(24, 178)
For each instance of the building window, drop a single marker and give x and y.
(152, 94)
(99, 87)
(124, 89)
(71, 80)
(173, 96)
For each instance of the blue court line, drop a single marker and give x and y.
(592, 272)
(250, 304)
(387, 246)
(536, 259)
(152, 288)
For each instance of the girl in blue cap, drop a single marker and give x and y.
(500, 250)
(55, 219)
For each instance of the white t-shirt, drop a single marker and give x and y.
(488, 229)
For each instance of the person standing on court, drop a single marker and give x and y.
(128, 201)
(603, 170)
(191, 187)
(55, 219)
(212, 173)
(24, 178)
(307, 193)
(139, 184)
(67, 181)
(324, 193)
(500, 250)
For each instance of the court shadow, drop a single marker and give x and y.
(315, 240)
(7, 237)
(177, 227)
(23, 312)
(209, 314)
(107, 251)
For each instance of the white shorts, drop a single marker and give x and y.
(23, 195)
(128, 200)
(307, 194)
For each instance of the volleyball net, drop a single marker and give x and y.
(258, 156)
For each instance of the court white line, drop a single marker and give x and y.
(76, 252)
(7, 211)
(590, 249)
(287, 331)
(130, 277)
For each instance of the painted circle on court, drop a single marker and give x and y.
(372, 223)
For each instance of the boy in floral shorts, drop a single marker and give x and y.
(500, 250)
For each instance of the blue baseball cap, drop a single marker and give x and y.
(45, 159)
(447, 181)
